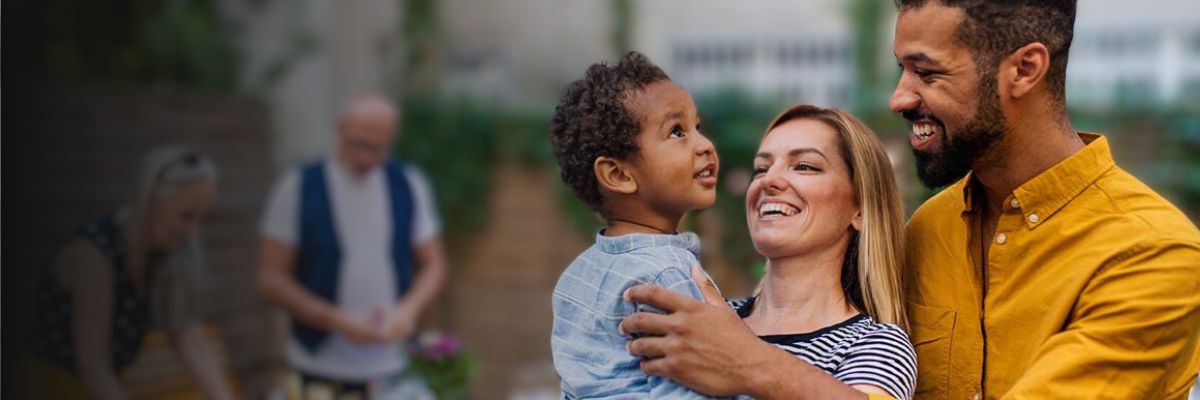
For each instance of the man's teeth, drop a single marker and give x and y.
(923, 131)
(777, 208)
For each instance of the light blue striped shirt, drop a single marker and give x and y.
(589, 354)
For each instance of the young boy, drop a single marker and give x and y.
(629, 144)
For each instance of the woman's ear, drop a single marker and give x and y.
(614, 175)
(856, 222)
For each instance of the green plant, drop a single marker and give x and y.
(443, 360)
(455, 142)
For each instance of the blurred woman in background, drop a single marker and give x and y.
(119, 276)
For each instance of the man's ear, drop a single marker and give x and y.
(1026, 68)
(614, 175)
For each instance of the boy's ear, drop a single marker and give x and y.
(614, 175)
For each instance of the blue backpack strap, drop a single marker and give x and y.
(400, 193)
(320, 255)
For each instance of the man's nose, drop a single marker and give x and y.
(904, 99)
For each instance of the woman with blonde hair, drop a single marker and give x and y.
(823, 208)
(117, 277)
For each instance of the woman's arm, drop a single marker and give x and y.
(705, 346)
(88, 277)
(200, 360)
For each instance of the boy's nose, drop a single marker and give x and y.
(704, 146)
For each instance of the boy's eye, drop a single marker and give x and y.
(677, 132)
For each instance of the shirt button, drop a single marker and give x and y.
(1033, 218)
(976, 397)
(1014, 203)
(1001, 238)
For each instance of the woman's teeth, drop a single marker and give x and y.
(777, 208)
(704, 174)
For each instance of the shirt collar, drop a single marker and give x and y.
(343, 173)
(1045, 194)
(633, 241)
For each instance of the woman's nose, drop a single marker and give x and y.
(772, 181)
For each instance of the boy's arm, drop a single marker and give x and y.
(679, 281)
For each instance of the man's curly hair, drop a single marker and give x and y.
(592, 120)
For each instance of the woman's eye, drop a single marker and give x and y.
(758, 171)
(677, 132)
(806, 168)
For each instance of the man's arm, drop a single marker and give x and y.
(429, 276)
(277, 284)
(1136, 321)
(705, 346)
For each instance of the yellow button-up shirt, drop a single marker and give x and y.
(1093, 289)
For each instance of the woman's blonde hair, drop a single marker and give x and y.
(872, 270)
(175, 276)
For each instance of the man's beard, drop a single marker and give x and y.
(960, 151)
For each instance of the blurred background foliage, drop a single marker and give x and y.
(134, 41)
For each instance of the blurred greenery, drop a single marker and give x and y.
(455, 142)
(177, 42)
(735, 122)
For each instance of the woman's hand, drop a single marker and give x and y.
(702, 345)
(705, 346)
(200, 359)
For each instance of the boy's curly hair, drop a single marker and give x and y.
(591, 120)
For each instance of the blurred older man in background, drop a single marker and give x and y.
(351, 250)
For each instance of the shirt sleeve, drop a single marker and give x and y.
(884, 359)
(1134, 331)
(426, 222)
(280, 219)
(663, 388)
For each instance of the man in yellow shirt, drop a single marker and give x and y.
(1047, 271)
(1041, 271)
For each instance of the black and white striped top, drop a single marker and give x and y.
(858, 351)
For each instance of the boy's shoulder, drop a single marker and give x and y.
(641, 262)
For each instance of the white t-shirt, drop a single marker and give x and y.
(362, 217)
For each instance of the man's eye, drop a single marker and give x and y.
(677, 132)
